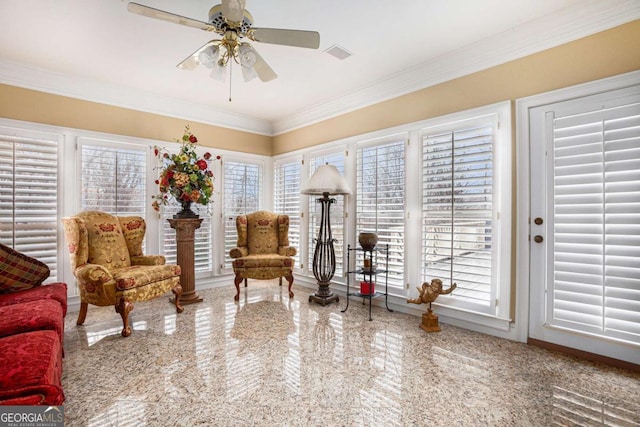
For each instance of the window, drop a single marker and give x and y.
(286, 190)
(459, 211)
(336, 213)
(242, 194)
(29, 194)
(380, 201)
(113, 178)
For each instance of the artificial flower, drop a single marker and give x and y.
(184, 176)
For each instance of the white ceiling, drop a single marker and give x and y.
(96, 50)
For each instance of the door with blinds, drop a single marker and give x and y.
(585, 224)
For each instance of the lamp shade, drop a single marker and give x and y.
(326, 179)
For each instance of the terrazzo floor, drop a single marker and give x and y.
(273, 361)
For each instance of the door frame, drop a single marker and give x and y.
(523, 179)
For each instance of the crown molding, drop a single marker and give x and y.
(568, 25)
(39, 79)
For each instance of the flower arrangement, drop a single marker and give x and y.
(184, 175)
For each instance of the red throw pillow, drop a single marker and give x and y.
(19, 271)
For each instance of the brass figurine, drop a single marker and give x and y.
(428, 294)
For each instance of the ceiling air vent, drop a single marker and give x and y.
(338, 52)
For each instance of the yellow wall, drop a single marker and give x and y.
(39, 107)
(604, 54)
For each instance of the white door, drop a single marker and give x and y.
(585, 223)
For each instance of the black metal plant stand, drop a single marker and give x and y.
(368, 275)
(324, 256)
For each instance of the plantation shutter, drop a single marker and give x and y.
(596, 221)
(203, 251)
(380, 201)
(114, 180)
(286, 190)
(457, 196)
(336, 213)
(29, 194)
(242, 195)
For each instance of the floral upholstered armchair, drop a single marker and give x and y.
(107, 261)
(263, 250)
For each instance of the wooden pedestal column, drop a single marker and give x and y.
(185, 236)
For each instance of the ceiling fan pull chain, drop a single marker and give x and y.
(230, 78)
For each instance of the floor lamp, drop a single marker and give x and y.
(325, 181)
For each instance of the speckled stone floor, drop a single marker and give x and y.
(274, 361)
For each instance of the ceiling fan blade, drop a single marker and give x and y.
(297, 38)
(233, 10)
(167, 16)
(192, 61)
(263, 70)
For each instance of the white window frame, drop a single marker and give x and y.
(290, 160)
(376, 142)
(498, 323)
(12, 129)
(499, 315)
(115, 146)
(265, 202)
(498, 253)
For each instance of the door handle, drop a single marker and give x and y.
(538, 239)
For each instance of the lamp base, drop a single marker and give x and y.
(323, 296)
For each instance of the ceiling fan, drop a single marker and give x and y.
(233, 22)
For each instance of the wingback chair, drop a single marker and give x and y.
(107, 261)
(263, 250)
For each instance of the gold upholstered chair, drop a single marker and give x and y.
(107, 261)
(263, 250)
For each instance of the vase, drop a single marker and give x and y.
(368, 241)
(186, 211)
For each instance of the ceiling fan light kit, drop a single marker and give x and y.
(208, 56)
(233, 22)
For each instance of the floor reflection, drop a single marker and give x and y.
(203, 333)
(94, 334)
(262, 347)
(572, 408)
(271, 360)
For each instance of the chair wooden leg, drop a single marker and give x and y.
(289, 278)
(124, 308)
(236, 281)
(82, 315)
(177, 291)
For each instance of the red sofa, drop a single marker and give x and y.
(31, 332)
